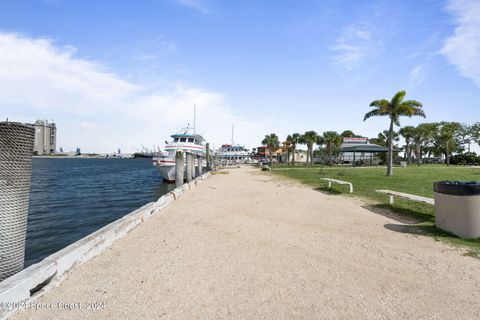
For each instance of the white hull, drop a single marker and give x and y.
(167, 169)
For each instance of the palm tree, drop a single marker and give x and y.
(332, 140)
(293, 139)
(394, 109)
(447, 137)
(348, 134)
(395, 137)
(272, 143)
(421, 133)
(407, 134)
(309, 138)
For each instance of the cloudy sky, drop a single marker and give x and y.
(121, 74)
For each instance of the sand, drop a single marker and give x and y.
(247, 245)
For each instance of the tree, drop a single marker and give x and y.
(293, 139)
(332, 140)
(446, 138)
(309, 138)
(420, 134)
(407, 134)
(272, 143)
(350, 134)
(475, 132)
(394, 109)
(465, 135)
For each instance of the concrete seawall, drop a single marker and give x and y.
(34, 281)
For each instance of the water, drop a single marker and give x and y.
(71, 198)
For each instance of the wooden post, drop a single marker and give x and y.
(194, 171)
(207, 146)
(189, 166)
(179, 168)
(200, 165)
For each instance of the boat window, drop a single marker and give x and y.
(190, 139)
(175, 140)
(183, 139)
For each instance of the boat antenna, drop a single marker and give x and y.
(232, 134)
(194, 118)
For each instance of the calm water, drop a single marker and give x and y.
(71, 198)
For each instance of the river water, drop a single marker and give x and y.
(71, 198)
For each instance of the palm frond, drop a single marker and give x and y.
(379, 103)
(373, 113)
(398, 97)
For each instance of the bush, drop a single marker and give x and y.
(466, 159)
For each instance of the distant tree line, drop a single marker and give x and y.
(426, 140)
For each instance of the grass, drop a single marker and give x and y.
(415, 180)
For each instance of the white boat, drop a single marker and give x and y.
(184, 141)
(231, 154)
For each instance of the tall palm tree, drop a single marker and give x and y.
(447, 133)
(394, 109)
(332, 140)
(395, 137)
(420, 134)
(272, 143)
(293, 139)
(407, 134)
(309, 138)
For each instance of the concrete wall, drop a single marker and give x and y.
(41, 277)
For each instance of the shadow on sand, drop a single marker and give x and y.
(424, 230)
(402, 215)
(327, 190)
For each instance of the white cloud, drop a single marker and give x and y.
(416, 76)
(194, 4)
(99, 111)
(463, 47)
(352, 46)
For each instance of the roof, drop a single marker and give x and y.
(369, 147)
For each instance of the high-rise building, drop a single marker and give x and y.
(45, 137)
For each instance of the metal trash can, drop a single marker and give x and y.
(457, 208)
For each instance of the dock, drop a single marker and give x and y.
(250, 245)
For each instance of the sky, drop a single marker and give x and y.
(122, 74)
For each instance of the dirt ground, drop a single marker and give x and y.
(246, 245)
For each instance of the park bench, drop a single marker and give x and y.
(339, 182)
(407, 196)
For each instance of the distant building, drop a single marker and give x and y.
(45, 137)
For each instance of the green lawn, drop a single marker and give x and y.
(413, 179)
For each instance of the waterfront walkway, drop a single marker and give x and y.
(247, 245)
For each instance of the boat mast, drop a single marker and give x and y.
(232, 135)
(194, 118)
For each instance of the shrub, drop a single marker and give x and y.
(467, 158)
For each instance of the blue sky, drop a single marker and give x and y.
(117, 74)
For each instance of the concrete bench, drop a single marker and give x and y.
(339, 182)
(407, 196)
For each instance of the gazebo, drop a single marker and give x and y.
(364, 148)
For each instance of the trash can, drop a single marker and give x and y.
(457, 207)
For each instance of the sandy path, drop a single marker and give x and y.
(249, 246)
